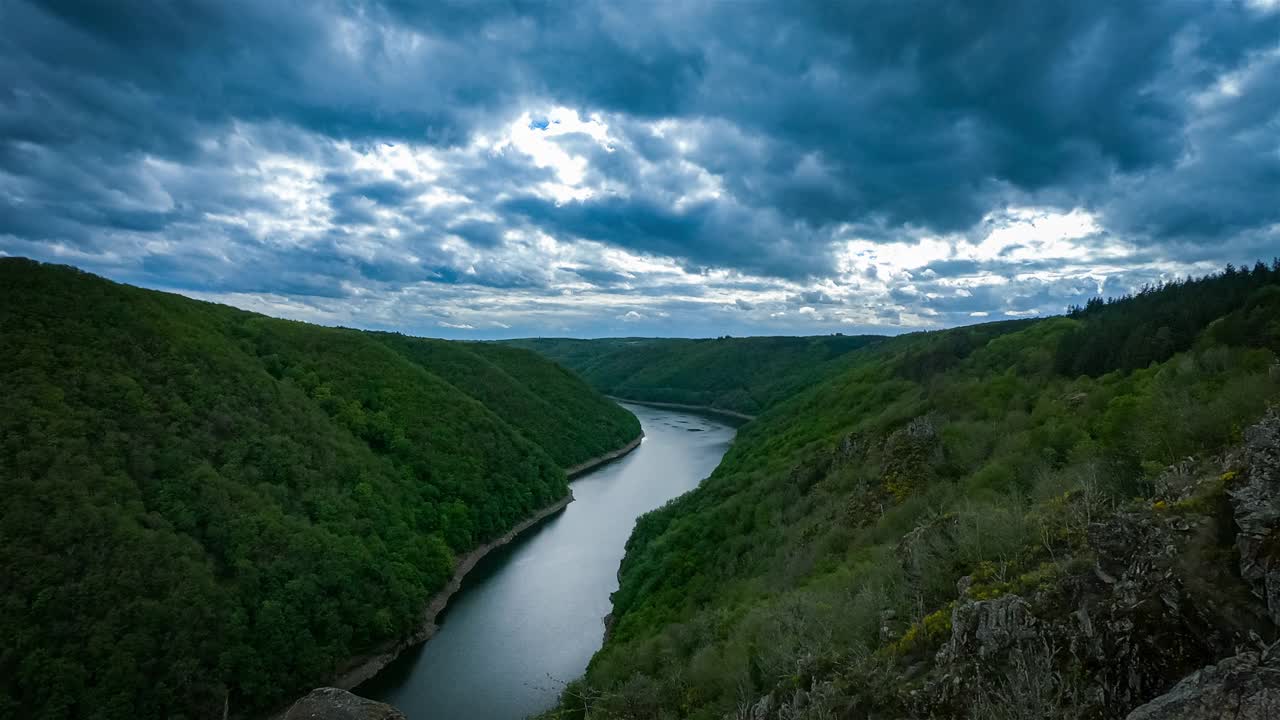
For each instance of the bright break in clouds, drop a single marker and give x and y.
(513, 169)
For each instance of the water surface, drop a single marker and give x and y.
(530, 615)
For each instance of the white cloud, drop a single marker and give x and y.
(535, 137)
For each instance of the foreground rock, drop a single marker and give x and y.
(1148, 610)
(1257, 512)
(1244, 687)
(333, 704)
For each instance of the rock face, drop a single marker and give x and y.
(1244, 687)
(984, 628)
(333, 704)
(1257, 512)
(1151, 603)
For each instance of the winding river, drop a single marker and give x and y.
(530, 615)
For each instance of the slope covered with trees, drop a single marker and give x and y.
(743, 375)
(203, 504)
(1033, 519)
(543, 400)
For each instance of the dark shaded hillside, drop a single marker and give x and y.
(202, 503)
(542, 400)
(951, 526)
(744, 375)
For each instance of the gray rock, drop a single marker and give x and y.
(851, 448)
(1176, 480)
(329, 703)
(918, 437)
(1244, 687)
(984, 628)
(1257, 512)
(762, 709)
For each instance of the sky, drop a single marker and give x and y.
(485, 170)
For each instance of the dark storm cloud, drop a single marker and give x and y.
(704, 234)
(750, 138)
(919, 116)
(1231, 183)
(478, 233)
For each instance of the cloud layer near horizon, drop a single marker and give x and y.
(483, 170)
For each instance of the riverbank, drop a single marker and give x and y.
(599, 460)
(528, 617)
(365, 666)
(681, 406)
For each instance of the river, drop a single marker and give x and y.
(530, 615)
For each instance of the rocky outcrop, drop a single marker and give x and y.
(909, 456)
(916, 543)
(1244, 687)
(1257, 512)
(852, 448)
(1148, 612)
(330, 703)
(1145, 603)
(797, 704)
(985, 628)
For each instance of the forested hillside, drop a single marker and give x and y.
(546, 402)
(202, 504)
(1056, 518)
(743, 375)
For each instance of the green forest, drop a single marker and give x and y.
(1037, 518)
(1026, 519)
(742, 375)
(204, 505)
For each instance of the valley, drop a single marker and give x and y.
(1066, 516)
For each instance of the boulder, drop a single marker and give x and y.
(1244, 687)
(330, 703)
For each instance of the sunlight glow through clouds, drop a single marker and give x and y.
(1033, 234)
(878, 284)
(535, 137)
(449, 171)
(1016, 234)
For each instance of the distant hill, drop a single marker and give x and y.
(744, 375)
(201, 502)
(1056, 518)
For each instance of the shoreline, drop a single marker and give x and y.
(682, 406)
(363, 667)
(366, 666)
(608, 457)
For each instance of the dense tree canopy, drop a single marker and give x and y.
(202, 503)
(744, 375)
(826, 548)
